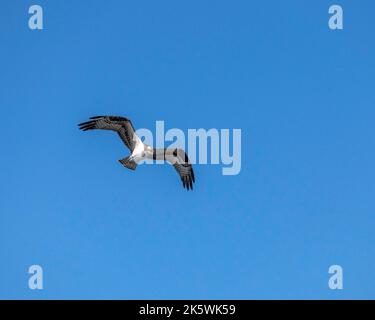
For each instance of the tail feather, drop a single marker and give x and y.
(127, 163)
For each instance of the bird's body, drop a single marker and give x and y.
(140, 150)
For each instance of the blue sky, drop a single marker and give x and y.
(303, 96)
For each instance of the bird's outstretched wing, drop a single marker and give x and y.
(121, 125)
(180, 161)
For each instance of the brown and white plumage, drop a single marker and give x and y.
(180, 161)
(140, 151)
(121, 125)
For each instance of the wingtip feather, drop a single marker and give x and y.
(97, 117)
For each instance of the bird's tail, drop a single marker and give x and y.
(128, 163)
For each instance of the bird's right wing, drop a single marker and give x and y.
(180, 161)
(121, 125)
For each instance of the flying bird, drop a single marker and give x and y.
(139, 150)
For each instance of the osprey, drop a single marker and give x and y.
(139, 150)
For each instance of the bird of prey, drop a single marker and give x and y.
(140, 150)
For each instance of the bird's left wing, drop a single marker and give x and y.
(121, 125)
(180, 161)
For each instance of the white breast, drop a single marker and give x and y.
(138, 152)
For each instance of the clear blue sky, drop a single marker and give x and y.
(302, 94)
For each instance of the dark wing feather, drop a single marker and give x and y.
(121, 125)
(180, 161)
